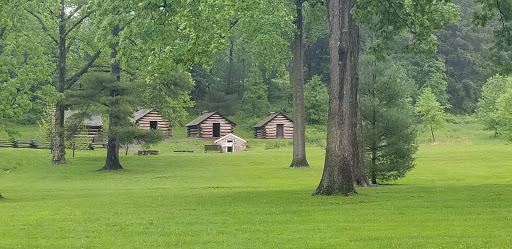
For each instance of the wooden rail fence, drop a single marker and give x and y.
(32, 144)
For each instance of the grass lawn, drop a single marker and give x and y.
(458, 196)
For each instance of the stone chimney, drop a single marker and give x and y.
(203, 112)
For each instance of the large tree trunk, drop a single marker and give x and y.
(112, 161)
(297, 80)
(59, 145)
(359, 171)
(340, 158)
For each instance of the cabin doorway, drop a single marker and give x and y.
(230, 149)
(153, 125)
(216, 129)
(280, 131)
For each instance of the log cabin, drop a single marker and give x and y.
(210, 124)
(231, 143)
(275, 125)
(93, 124)
(150, 119)
(147, 119)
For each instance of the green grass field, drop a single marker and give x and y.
(458, 196)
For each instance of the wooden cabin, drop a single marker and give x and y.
(150, 119)
(93, 124)
(231, 143)
(144, 118)
(275, 125)
(210, 124)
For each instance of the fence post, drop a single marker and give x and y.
(73, 144)
(15, 144)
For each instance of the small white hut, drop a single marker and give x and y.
(231, 142)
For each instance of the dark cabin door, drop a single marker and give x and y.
(216, 129)
(153, 125)
(280, 131)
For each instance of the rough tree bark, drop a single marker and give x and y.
(340, 158)
(359, 172)
(59, 146)
(112, 162)
(297, 81)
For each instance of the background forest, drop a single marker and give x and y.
(241, 82)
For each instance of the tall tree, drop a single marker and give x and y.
(341, 151)
(386, 19)
(297, 80)
(60, 20)
(430, 110)
(389, 119)
(115, 116)
(487, 104)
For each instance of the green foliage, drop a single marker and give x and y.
(387, 19)
(504, 114)
(430, 110)
(502, 10)
(316, 23)
(266, 26)
(24, 63)
(487, 104)
(465, 52)
(279, 93)
(316, 101)
(315, 135)
(426, 72)
(389, 124)
(255, 99)
(170, 95)
(134, 135)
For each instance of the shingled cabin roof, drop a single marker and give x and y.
(205, 116)
(268, 118)
(141, 113)
(93, 120)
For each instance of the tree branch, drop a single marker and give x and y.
(45, 29)
(77, 23)
(322, 2)
(74, 11)
(75, 77)
(68, 46)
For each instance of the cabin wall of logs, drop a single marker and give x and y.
(270, 129)
(91, 132)
(205, 128)
(153, 116)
